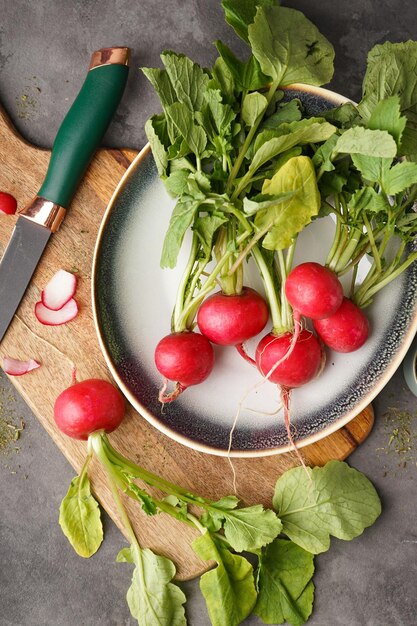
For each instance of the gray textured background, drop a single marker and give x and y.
(44, 52)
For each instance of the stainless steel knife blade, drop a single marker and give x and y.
(77, 139)
(25, 248)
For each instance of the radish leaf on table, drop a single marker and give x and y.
(79, 517)
(152, 598)
(229, 589)
(286, 589)
(248, 528)
(332, 500)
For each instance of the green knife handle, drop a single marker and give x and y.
(82, 130)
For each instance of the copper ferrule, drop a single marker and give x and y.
(44, 212)
(110, 56)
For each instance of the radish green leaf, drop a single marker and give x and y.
(183, 120)
(387, 116)
(269, 143)
(316, 503)
(153, 600)
(158, 149)
(247, 75)
(289, 47)
(229, 588)
(286, 589)
(284, 220)
(373, 143)
(187, 78)
(79, 517)
(254, 104)
(240, 13)
(182, 217)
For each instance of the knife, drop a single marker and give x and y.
(77, 139)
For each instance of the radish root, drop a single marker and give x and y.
(240, 347)
(285, 397)
(232, 467)
(165, 398)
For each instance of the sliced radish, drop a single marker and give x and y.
(59, 290)
(55, 318)
(15, 367)
(8, 203)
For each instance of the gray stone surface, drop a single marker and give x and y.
(44, 51)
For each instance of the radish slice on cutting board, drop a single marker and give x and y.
(8, 203)
(55, 318)
(59, 290)
(15, 367)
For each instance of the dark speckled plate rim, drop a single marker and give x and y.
(366, 399)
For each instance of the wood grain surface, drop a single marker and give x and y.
(22, 169)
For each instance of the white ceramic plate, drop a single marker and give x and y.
(133, 299)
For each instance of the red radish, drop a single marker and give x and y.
(313, 290)
(231, 320)
(290, 360)
(89, 406)
(59, 290)
(55, 318)
(15, 367)
(289, 368)
(186, 358)
(346, 330)
(8, 203)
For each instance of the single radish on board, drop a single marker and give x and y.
(87, 407)
(54, 318)
(346, 330)
(186, 358)
(8, 203)
(16, 367)
(313, 290)
(59, 290)
(228, 320)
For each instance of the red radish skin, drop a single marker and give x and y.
(59, 290)
(186, 358)
(313, 290)
(16, 367)
(346, 330)
(55, 318)
(290, 360)
(295, 368)
(8, 203)
(231, 320)
(89, 406)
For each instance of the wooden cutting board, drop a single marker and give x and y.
(22, 169)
